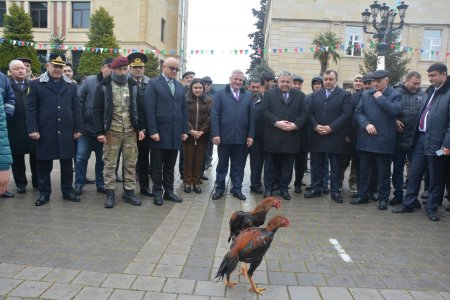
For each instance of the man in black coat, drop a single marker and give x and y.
(19, 140)
(167, 125)
(285, 115)
(376, 116)
(54, 121)
(330, 110)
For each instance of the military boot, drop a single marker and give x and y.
(110, 199)
(131, 198)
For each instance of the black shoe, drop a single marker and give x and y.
(158, 200)
(312, 194)
(424, 195)
(395, 201)
(197, 189)
(285, 195)
(78, 189)
(101, 190)
(308, 187)
(131, 198)
(187, 188)
(89, 181)
(146, 191)
(203, 176)
(432, 216)
(267, 193)
(416, 204)
(298, 190)
(239, 195)
(337, 197)
(110, 199)
(256, 189)
(172, 197)
(72, 196)
(119, 178)
(373, 196)
(41, 200)
(217, 195)
(325, 190)
(360, 200)
(403, 209)
(382, 205)
(7, 194)
(354, 196)
(21, 189)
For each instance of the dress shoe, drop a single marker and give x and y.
(267, 193)
(395, 201)
(416, 204)
(41, 200)
(325, 190)
(119, 178)
(101, 190)
(72, 196)
(373, 196)
(172, 197)
(354, 196)
(382, 204)
(7, 194)
(110, 199)
(187, 188)
(197, 189)
(298, 190)
(256, 189)
(21, 189)
(285, 195)
(312, 194)
(424, 195)
(337, 197)
(131, 198)
(403, 209)
(360, 200)
(78, 189)
(308, 187)
(203, 176)
(217, 195)
(158, 200)
(432, 216)
(239, 195)
(89, 181)
(146, 191)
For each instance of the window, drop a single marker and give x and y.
(163, 30)
(2, 12)
(80, 14)
(38, 12)
(354, 39)
(431, 44)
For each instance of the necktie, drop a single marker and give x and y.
(328, 93)
(171, 86)
(236, 95)
(286, 96)
(20, 84)
(424, 114)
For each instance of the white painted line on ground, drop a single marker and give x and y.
(345, 257)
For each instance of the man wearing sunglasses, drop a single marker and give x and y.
(166, 116)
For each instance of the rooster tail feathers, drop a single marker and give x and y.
(228, 265)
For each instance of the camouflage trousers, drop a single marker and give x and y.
(114, 142)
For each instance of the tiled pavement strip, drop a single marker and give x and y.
(82, 251)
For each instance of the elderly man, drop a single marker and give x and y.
(27, 63)
(54, 121)
(233, 130)
(167, 125)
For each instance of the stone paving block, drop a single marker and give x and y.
(365, 294)
(126, 295)
(292, 266)
(61, 275)
(335, 293)
(173, 259)
(197, 273)
(273, 265)
(368, 281)
(33, 273)
(149, 257)
(304, 292)
(396, 295)
(140, 268)
(210, 288)
(167, 271)
(308, 279)
(426, 295)
(319, 267)
(7, 285)
(282, 278)
(241, 291)
(159, 296)
(90, 293)
(179, 286)
(425, 283)
(9, 270)
(62, 291)
(396, 282)
(192, 297)
(112, 265)
(339, 280)
(31, 289)
(200, 261)
(119, 281)
(149, 283)
(275, 292)
(90, 278)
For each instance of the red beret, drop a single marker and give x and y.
(119, 62)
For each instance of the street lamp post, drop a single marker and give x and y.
(382, 29)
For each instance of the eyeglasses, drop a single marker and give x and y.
(174, 69)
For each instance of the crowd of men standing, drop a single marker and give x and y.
(120, 112)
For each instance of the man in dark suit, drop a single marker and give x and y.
(54, 121)
(233, 130)
(330, 111)
(167, 125)
(285, 114)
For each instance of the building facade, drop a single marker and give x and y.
(139, 24)
(293, 24)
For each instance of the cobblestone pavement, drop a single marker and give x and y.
(67, 250)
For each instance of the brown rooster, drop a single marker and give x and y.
(241, 220)
(250, 247)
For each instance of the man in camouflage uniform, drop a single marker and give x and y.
(116, 121)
